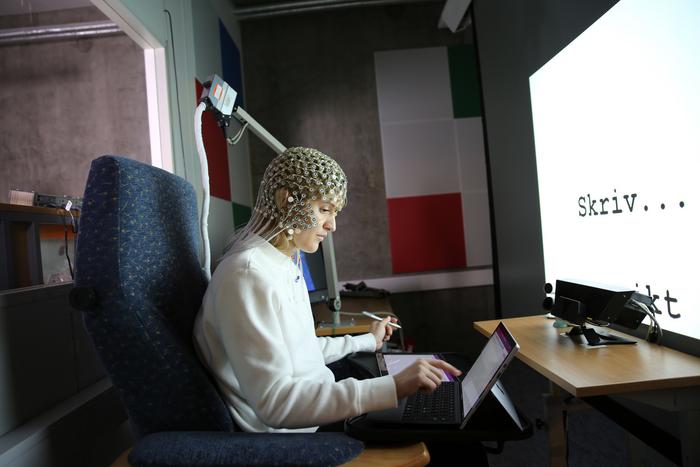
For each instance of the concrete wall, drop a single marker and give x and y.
(310, 81)
(67, 102)
(75, 100)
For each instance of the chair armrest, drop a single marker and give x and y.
(219, 448)
(406, 455)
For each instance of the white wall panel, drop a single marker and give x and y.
(472, 159)
(477, 229)
(413, 84)
(420, 158)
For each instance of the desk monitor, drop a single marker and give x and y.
(321, 276)
(315, 276)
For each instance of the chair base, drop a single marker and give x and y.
(409, 455)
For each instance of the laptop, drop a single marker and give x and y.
(456, 399)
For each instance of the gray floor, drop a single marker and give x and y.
(593, 439)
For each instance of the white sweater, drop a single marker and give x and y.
(255, 332)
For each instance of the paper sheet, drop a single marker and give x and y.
(395, 363)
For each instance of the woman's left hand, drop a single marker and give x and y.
(382, 331)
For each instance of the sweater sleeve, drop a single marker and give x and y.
(335, 348)
(253, 338)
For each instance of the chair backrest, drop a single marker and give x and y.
(137, 262)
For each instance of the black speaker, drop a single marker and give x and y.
(548, 301)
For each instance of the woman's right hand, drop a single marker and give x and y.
(422, 375)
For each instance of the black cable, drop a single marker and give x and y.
(177, 91)
(65, 238)
(74, 226)
(657, 332)
(654, 331)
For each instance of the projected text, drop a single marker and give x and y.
(589, 205)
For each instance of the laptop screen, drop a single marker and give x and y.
(492, 359)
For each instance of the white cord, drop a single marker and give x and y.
(204, 170)
(237, 137)
(656, 326)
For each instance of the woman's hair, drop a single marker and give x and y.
(291, 182)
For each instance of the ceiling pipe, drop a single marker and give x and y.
(59, 31)
(309, 6)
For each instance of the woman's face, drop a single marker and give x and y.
(309, 240)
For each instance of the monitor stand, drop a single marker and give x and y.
(337, 322)
(594, 338)
(334, 306)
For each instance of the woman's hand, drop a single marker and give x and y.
(422, 375)
(382, 331)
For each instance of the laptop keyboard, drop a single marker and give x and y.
(431, 408)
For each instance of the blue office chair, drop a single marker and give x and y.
(139, 284)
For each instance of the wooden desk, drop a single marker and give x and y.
(645, 372)
(595, 371)
(361, 324)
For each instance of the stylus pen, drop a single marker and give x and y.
(373, 316)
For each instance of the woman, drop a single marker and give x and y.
(255, 330)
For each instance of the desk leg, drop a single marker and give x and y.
(689, 424)
(554, 414)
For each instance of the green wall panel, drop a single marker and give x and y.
(464, 81)
(241, 214)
